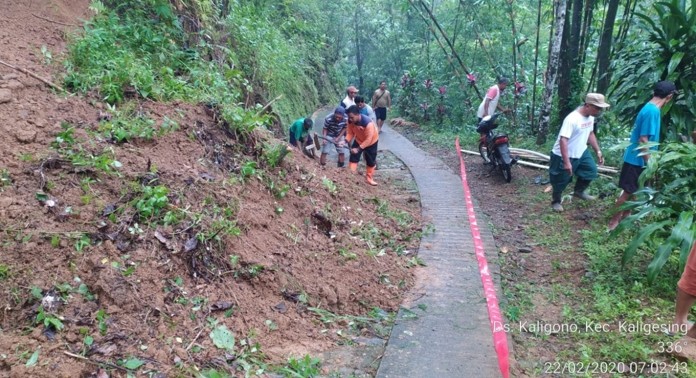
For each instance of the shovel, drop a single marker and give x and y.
(317, 137)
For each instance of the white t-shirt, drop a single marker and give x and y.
(348, 102)
(494, 95)
(577, 129)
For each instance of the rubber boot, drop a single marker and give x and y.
(341, 161)
(353, 167)
(322, 159)
(369, 173)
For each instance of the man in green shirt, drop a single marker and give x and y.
(299, 132)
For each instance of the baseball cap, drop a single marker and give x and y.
(352, 89)
(340, 110)
(596, 99)
(664, 88)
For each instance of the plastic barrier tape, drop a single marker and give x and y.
(494, 315)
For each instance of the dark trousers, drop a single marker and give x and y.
(370, 154)
(293, 141)
(584, 168)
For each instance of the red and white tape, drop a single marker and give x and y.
(494, 315)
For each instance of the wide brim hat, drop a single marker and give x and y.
(596, 99)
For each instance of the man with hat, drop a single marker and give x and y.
(570, 157)
(349, 101)
(334, 131)
(646, 129)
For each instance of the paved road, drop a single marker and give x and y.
(451, 337)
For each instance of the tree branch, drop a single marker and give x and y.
(35, 76)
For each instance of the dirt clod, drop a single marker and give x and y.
(5, 95)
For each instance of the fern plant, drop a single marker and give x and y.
(664, 211)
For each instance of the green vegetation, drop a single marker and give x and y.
(48, 320)
(400, 217)
(664, 210)
(140, 48)
(152, 201)
(4, 271)
(305, 367)
(126, 125)
(74, 150)
(605, 302)
(657, 55)
(330, 186)
(5, 179)
(377, 320)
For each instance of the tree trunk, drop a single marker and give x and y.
(585, 34)
(604, 50)
(575, 28)
(629, 10)
(567, 59)
(358, 47)
(532, 121)
(544, 117)
(514, 58)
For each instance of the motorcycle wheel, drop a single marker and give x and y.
(507, 174)
(483, 151)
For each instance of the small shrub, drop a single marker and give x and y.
(330, 186)
(4, 271)
(152, 201)
(274, 153)
(48, 320)
(666, 209)
(305, 367)
(5, 179)
(248, 169)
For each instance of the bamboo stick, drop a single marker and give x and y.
(601, 168)
(35, 76)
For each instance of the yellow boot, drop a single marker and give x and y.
(353, 167)
(369, 172)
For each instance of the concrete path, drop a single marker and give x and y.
(451, 336)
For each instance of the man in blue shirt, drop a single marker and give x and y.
(646, 129)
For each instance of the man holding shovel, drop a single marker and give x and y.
(299, 133)
(333, 132)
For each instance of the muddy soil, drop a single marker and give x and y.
(89, 282)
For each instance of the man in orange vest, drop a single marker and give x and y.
(362, 135)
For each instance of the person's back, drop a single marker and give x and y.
(490, 102)
(646, 129)
(648, 124)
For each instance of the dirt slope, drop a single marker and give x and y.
(113, 286)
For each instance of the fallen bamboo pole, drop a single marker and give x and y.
(528, 164)
(603, 169)
(530, 152)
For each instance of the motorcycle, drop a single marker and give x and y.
(495, 148)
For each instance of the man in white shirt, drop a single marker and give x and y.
(490, 102)
(570, 156)
(349, 101)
